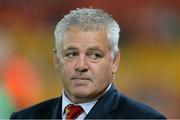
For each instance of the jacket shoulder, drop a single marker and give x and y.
(40, 110)
(130, 108)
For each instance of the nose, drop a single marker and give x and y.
(81, 64)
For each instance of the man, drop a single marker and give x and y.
(87, 56)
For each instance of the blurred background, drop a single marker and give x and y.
(149, 42)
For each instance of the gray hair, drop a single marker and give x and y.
(89, 19)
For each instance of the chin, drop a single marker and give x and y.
(81, 94)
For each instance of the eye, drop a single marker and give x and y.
(71, 55)
(95, 56)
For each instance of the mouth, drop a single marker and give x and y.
(81, 81)
(80, 78)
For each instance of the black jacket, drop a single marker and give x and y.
(112, 105)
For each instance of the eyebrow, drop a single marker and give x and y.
(70, 48)
(94, 48)
(89, 49)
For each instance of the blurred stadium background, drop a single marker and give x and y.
(150, 44)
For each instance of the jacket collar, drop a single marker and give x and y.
(101, 109)
(106, 104)
(56, 109)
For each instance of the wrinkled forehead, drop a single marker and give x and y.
(85, 27)
(76, 30)
(75, 36)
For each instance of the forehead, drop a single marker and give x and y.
(84, 39)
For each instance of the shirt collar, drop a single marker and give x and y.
(86, 106)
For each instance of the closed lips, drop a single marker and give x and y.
(80, 79)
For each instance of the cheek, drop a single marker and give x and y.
(66, 70)
(65, 73)
(103, 72)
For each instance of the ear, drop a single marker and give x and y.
(55, 58)
(116, 62)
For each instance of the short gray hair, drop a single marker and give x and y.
(89, 19)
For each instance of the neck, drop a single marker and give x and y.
(78, 100)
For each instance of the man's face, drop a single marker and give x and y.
(85, 64)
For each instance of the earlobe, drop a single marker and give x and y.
(54, 54)
(116, 62)
(55, 59)
(54, 50)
